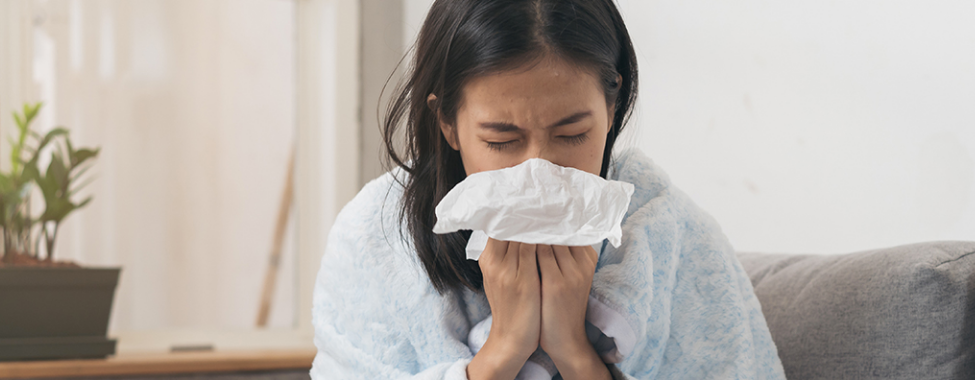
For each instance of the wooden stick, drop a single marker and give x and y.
(270, 277)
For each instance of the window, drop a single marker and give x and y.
(199, 107)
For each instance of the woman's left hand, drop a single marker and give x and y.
(566, 278)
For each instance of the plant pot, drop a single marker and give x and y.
(56, 313)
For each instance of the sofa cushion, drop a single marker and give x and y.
(906, 312)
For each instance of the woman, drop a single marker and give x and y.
(493, 84)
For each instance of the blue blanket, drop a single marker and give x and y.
(688, 306)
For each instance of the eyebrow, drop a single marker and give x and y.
(508, 127)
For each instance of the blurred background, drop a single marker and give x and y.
(802, 127)
(197, 106)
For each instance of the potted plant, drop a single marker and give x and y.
(48, 309)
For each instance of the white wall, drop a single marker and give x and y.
(814, 126)
(810, 126)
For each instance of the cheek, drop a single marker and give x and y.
(479, 159)
(476, 155)
(589, 156)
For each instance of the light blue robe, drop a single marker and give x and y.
(675, 280)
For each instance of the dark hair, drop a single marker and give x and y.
(462, 39)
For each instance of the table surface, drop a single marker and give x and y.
(162, 363)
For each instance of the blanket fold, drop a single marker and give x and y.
(671, 302)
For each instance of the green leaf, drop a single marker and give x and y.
(83, 203)
(78, 188)
(80, 171)
(30, 171)
(81, 155)
(31, 112)
(57, 173)
(51, 135)
(46, 140)
(63, 178)
(56, 210)
(59, 148)
(48, 187)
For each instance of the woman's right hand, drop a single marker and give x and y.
(513, 290)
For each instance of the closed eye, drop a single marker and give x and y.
(575, 140)
(499, 146)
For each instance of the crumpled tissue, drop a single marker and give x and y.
(535, 202)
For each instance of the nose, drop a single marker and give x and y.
(540, 149)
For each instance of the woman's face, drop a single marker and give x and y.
(551, 110)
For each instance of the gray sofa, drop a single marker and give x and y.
(906, 312)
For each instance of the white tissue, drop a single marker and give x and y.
(535, 202)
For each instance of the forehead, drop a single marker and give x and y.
(548, 86)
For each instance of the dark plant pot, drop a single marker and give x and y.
(56, 313)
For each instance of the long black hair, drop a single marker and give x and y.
(463, 39)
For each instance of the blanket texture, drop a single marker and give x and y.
(688, 307)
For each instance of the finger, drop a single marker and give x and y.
(547, 263)
(581, 257)
(526, 257)
(593, 256)
(585, 254)
(563, 256)
(511, 255)
(529, 265)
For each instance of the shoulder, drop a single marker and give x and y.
(368, 246)
(649, 180)
(377, 201)
(662, 212)
(368, 271)
(371, 220)
(372, 299)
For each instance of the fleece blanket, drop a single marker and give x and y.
(689, 308)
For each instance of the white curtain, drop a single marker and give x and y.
(193, 105)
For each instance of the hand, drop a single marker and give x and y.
(513, 291)
(566, 278)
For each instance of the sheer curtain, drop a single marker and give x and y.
(193, 104)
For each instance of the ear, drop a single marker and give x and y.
(448, 131)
